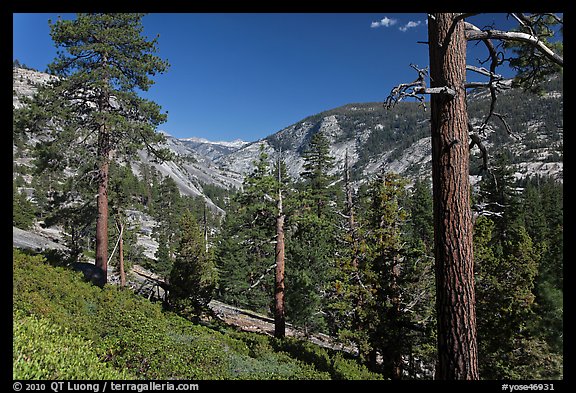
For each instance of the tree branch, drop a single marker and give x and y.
(415, 89)
(262, 276)
(476, 141)
(473, 33)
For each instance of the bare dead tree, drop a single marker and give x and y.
(120, 226)
(279, 309)
(350, 210)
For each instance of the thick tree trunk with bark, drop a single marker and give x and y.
(103, 156)
(455, 298)
(102, 218)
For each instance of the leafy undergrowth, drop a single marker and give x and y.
(65, 328)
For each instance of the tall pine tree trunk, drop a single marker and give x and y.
(103, 160)
(455, 298)
(102, 207)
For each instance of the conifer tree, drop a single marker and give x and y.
(387, 254)
(91, 110)
(168, 207)
(194, 275)
(383, 304)
(511, 240)
(245, 252)
(317, 164)
(550, 280)
(312, 237)
(23, 211)
(509, 346)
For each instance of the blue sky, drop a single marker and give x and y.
(247, 76)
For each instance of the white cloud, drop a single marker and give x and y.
(410, 25)
(384, 22)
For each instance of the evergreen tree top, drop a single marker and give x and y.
(106, 48)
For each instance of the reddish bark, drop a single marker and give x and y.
(455, 298)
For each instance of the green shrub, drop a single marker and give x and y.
(42, 350)
(325, 360)
(343, 368)
(134, 335)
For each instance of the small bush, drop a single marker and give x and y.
(325, 360)
(42, 350)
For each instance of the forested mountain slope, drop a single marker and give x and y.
(398, 139)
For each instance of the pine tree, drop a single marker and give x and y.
(542, 208)
(168, 209)
(91, 110)
(421, 217)
(194, 275)
(246, 253)
(509, 347)
(383, 303)
(23, 211)
(317, 164)
(122, 195)
(387, 253)
(418, 286)
(518, 317)
(164, 256)
(311, 241)
(531, 67)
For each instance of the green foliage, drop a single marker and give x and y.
(337, 364)
(531, 66)
(310, 251)
(42, 350)
(218, 195)
(245, 252)
(104, 54)
(317, 164)
(89, 110)
(23, 211)
(113, 334)
(381, 300)
(519, 311)
(311, 236)
(193, 276)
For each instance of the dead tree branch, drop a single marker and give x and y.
(475, 140)
(262, 276)
(473, 33)
(416, 89)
